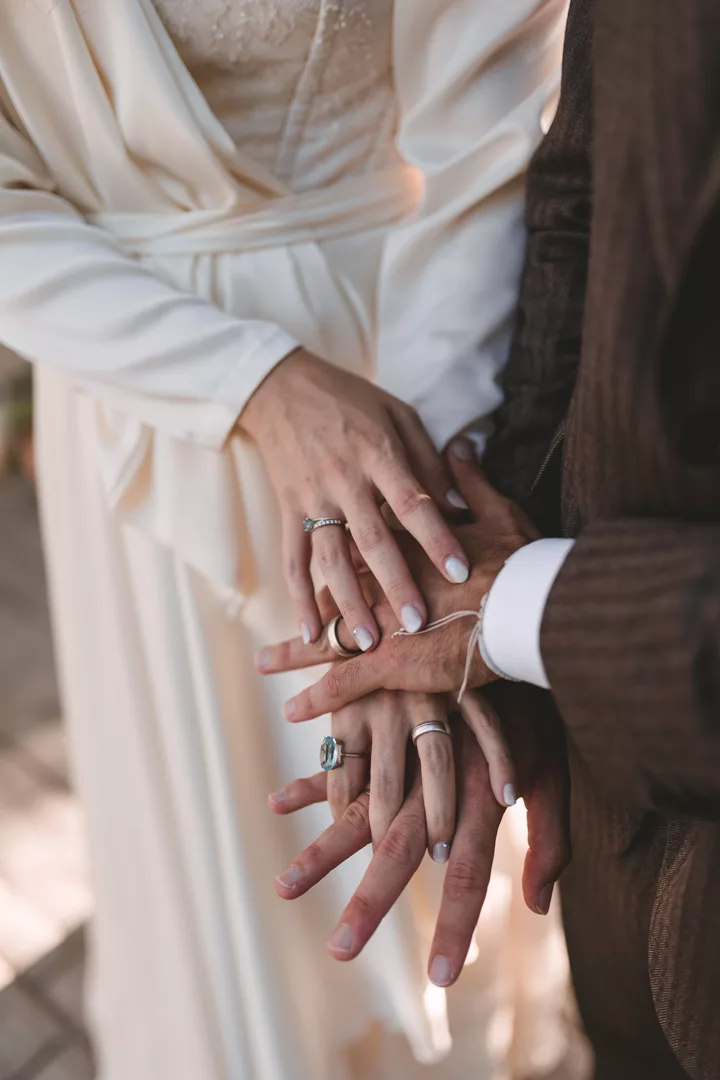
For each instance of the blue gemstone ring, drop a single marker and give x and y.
(333, 754)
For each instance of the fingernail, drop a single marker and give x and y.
(411, 618)
(509, 795)
(363, 637)
(440, 971)
(456, 570)
(262, 659)
(289, 709)
(306, 633)
(441, 853)
(462, 450)
(290, 877)
(542, 904)
(455, 499)
(342, 939)
(279, 797)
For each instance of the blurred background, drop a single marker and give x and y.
(45, 897)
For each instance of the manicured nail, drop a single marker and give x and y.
(290, 877)
(440, 971)
(262, 660)
(542, 904)
(441, 853)
(412, 620)
(509, 795)
(456, 570)
(463, 451)
(306, 633)
(455, 499)
(342, 939)
(363, 637)
(289, 709)
(279, 797)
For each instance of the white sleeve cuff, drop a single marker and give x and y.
(515, 607)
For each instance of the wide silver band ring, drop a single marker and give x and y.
(335, 643)
(333, 754)
(311, 524)
(429, 726)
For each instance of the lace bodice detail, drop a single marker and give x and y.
(303, 86)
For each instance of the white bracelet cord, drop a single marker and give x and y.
(475, 640)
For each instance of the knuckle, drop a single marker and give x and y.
(464, 878)
(398, 846)
(313, 855)
(356, 815)
(387, 788)
(369, 536)
(329, 556)
(437, 756)
(409, 501)
(365, 909)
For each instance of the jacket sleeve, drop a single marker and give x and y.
(70, 298)
(545, 354)
(631, 643)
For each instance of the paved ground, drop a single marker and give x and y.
(44, 892)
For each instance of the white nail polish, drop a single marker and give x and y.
(455, 499)
(441, 853)
(411, 618)
(509, 795)
(363, 637)
(306, 635)
(440, 971)
(456, 570)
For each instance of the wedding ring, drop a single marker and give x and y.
(333, 754)
(335, 643)
(428, 726)
(311, 524)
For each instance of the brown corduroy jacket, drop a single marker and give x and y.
(611, 433)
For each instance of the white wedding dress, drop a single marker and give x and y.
(163, 551)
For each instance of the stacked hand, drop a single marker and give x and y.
(409, 808)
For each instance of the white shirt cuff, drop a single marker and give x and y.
(514, 610)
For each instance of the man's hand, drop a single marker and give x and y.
(543, 783)
(432, 662)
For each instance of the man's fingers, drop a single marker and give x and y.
(487, 728)
(387, 774)
(346, 783)
(392, 866)
(548, 834)
(470, 864)
(437, 766)
(425, 461)
(299, 794)
(343, 839)
(485, 503)
(343, 684)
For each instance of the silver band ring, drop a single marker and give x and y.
(333, 754)
(311, 524)
(440, 726)
(334, 641)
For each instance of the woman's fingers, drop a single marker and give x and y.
(296, 570)
(417, 513)
(437, 765)
(548, 833)
(343, 839)
(330, 546)
(392, 866)
(382, 556)
(425, 461)
(470, 863)
(298, 794)
(487, 728)
(347, 783)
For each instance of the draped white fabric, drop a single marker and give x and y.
(155, 273)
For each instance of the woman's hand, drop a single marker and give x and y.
(543, 783)
(433, 662)
(336, 446)
(380, 726)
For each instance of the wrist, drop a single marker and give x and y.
(257, 413)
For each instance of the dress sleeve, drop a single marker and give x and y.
(476, 83)
(70, 298)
